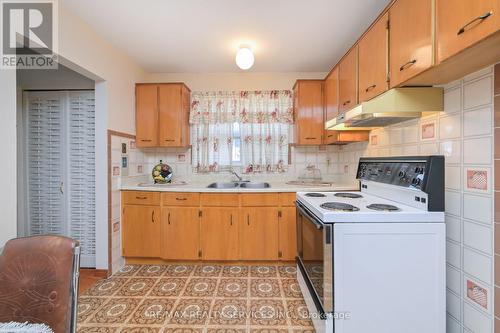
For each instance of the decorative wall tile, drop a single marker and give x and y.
(477, 294)
(477, 179)
(428, 130)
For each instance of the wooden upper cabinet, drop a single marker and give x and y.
(373, 60)
(170, 114)
(146, 115)
(348, 81)
(411, 43)
(162, 115)
(461, 23)
(331, 94)
(308, 109)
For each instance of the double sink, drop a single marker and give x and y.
(230, 185)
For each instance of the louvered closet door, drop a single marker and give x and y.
(60, 167)
(44, 167)
(81, 173)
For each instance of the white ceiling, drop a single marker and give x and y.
(203, 35)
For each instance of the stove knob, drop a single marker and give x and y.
(402, 174)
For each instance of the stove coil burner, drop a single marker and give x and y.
(315, 195)
(339, 206)
(348, 195)
(383, 207)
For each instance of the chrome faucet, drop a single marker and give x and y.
(236, 174)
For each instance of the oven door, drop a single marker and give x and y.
(315, 257)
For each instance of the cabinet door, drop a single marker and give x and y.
(410, 39)
(331, 100)
(186, 108)
(259, 233)
(461, 23)
(170, 115)
(146, 115)
(348, 84)
(219, 233)
(373, 60)
(141, 231)
(180, 233)
(309, 112)
(287, 234)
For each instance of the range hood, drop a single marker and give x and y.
(393, 106)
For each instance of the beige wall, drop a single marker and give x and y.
(234, 81)
(98, 59)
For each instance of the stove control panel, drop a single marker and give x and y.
(400, 173)
(412, 173)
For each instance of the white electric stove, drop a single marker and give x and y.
(374, 260)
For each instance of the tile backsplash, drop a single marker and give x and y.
(463, 133)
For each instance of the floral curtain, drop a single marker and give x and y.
(246, 128)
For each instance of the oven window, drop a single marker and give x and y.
(311, 252)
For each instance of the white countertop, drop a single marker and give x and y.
(275, 187)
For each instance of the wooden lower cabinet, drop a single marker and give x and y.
(258, 233)
(180, 233)
(141, 236)
(287, 234)
(194, 226)
(219, 233)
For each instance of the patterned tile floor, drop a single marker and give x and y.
(185, 298)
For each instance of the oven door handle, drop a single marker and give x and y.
(309, 216)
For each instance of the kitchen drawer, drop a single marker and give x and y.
(180, 199)
(287, 199)
(260, 199)
(220, 199)
(140, 198)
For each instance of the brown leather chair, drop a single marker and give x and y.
(39, 281)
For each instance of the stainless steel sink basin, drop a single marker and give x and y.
(255, 185)
(223, 185)
(243, 184)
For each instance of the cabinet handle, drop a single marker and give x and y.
(479, 18)
(248, 219)
(310, 138)
(346, 102)
(141, 198)
(146, 140)
(169, 140)
(181, 199)
(408, 64)
(153, 216)
(330, 135)
(231, 220)
(168, 219)
(370, 87)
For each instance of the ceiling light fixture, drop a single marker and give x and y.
(244, 57)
